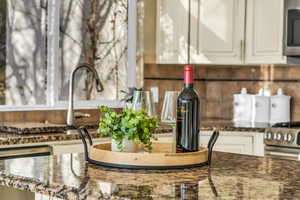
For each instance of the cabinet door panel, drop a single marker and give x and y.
(231, 144)
(221, 32)
(264, 31)
(172, 21)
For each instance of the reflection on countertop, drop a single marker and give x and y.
(231, 176)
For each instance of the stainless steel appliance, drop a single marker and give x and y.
(291, 38)
(283, 141)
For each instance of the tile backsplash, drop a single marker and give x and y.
(217, 84)
(51, 116)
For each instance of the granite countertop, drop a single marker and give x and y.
(9, 138)
(231, 176)
(33, 138)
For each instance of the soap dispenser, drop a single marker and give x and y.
(242, 107)
(280, 107)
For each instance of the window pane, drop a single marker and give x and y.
(23, 42)
(2, 50)
(94, 32)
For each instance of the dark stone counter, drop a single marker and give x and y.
(231, 176)
(36, 137)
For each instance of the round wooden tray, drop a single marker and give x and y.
(146, 177)
(160, 156)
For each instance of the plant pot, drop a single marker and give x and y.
(129, 146)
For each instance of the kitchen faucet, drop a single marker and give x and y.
(99, 87)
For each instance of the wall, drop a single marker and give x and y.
(217, 84)
(51, 116)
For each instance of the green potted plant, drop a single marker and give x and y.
(128, 129)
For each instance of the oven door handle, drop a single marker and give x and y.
(297, 156)
(283, 152)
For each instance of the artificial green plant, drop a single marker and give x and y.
(128, 124)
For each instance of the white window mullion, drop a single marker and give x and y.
(132, 38)
(53, 52)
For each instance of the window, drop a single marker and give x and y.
(43, 41)
(23, 37)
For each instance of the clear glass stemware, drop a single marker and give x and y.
(169, 113)
(143, 100)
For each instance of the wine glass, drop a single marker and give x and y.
(169, 113)
(143, 100)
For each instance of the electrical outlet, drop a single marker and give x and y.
(155, 94)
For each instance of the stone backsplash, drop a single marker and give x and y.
(217, 84)
(48, 116)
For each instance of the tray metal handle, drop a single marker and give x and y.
(211, 144)
(83, 133)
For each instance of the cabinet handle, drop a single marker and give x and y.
(242, 50)
(198, 27)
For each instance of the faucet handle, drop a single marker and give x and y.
(79, 115)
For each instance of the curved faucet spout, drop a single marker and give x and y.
(99, 88)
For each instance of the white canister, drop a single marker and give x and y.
(242, 106)
(261, 108)
(280, 107)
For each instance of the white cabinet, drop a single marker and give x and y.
(171, 34)
(250, 143)
(264, 31)
(241, 142)
(220, 31)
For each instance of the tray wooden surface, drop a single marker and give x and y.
(161, 155)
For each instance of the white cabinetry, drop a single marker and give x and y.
(222, 31)
(171, 34)
(264, 31)
(250, 143)
(240, 142)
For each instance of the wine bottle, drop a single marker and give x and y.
(187, 123)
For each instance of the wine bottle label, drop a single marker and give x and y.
(187, 126)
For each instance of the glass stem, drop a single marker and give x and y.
(173, 138)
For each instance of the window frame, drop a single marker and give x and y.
(52, 99)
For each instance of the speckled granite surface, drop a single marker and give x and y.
(28, 138)
(16, 139)
(225, 125)
(37, 128)
(231, 176)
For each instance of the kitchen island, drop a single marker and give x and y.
(231, 176)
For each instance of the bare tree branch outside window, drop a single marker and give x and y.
(96, 32)
(92, 31)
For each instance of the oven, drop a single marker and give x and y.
(282, 143)
(291, 28)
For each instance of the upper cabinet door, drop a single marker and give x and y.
(172, 31)
(220, 38)
(264, 31)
